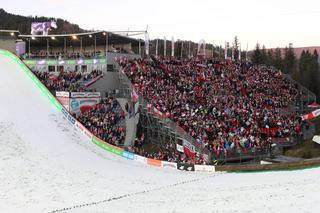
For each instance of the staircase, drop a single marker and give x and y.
(130, 121)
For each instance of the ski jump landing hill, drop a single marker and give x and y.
(50, 163)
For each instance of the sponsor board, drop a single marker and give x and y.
(63, 98)
(68, 116)
(316, 139)
(179, 148)
(204, 168)
(78, 105)
(128, 155)
(140, 159)
(265, 162)
(62, 94)
(154, 162)
(85, 95)
(185, 166)
(108, 147)
(166, 164)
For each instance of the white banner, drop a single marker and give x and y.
(204, 168)
(62, 94)
(179, 148)
(172, 46)
(140, 159)
(146, 42)
(85, 95)
(226, 46)
(170, 165)
(165, 47)
(316, 139)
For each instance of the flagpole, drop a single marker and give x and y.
(157, 47)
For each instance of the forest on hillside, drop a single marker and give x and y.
(10, 21)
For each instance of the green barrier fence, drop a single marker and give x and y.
(107, 146)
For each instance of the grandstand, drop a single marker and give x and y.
(201, 110)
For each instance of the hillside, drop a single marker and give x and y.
(10, 21)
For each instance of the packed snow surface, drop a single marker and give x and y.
(48, 166)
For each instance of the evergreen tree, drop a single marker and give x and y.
(264, 59)
(236, 48)
(256, 56)
(277, 59)
(289, 61)
(270, 57)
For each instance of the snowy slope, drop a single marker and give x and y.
(46, 165)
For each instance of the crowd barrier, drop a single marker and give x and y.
(148, 161)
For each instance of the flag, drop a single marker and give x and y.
(157, 47)
(146, 42)
(165, 47)
(189, 149)
(226, 46)
(172, 46)
(134, 96)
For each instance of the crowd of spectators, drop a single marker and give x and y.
(62, 55)
(105, 120)
(64, 81)
(226, 106)
(42, 54)
(166, 153)
(92, 75)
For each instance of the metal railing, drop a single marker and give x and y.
(180, 132)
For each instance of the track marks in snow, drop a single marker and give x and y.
(11, 144)
(136, 193)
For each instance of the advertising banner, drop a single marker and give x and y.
(140, 159)
(128, 155)
(85, 95)
(63, 98)
(106, 146)
(83, 101)
(204, 168)
(316, 139)
(179, 148)
(78, 105)
(185, 167)
(68, 116)
(171, 165)
(154, 162)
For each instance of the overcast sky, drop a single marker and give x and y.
(270, 22)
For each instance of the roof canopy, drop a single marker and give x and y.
(87, 38)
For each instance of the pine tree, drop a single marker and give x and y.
(289, 60)
(278, 63)
(256, 56)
